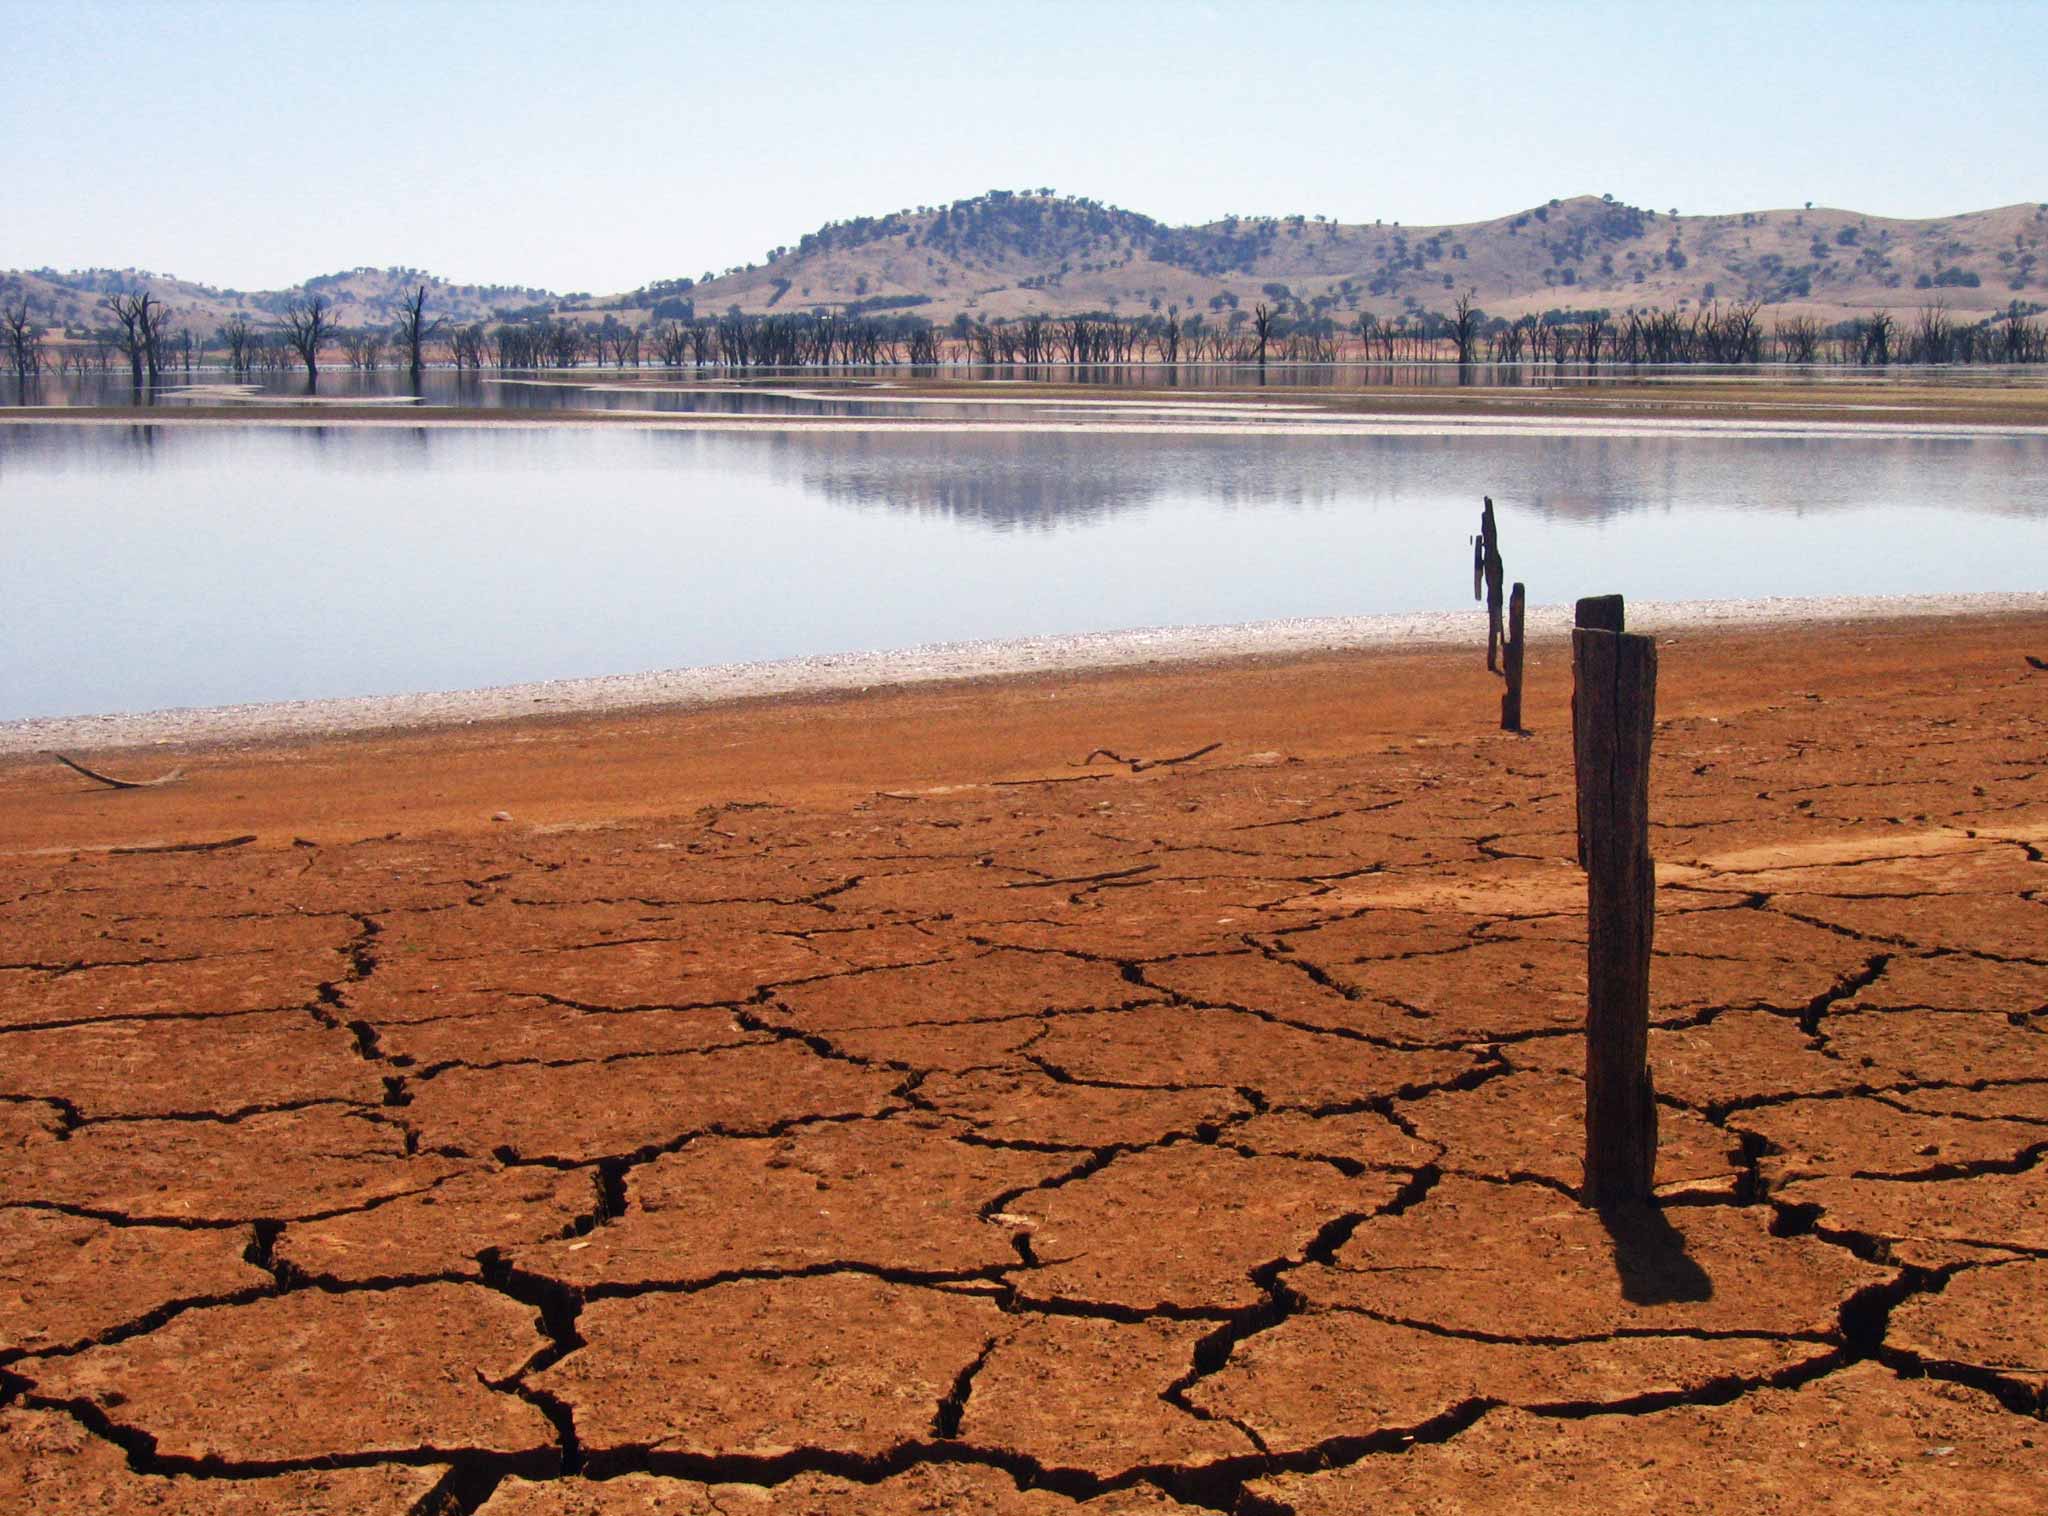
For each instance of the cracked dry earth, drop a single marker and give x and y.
(1076, 1140)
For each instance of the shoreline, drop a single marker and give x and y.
(347, 414)
(936, 663)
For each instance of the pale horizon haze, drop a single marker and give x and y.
(597, 147)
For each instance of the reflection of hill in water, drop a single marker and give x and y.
(1039, 481)
(1013, 481)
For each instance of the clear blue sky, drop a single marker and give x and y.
(596, 146)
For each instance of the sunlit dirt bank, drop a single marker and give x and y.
(1118, 1091)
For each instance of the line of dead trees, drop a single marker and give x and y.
(1731, 334)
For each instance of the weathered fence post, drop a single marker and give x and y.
(1511, 698)
(1603, 613)
(1489, 540)
(1614, 710)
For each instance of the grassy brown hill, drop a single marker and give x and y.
(1004, 255)
(1009, 254)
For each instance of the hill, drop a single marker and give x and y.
(1017, 253)
(1005, 254)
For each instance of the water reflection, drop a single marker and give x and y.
(714, 391)
(238, 563)
(1010, 481)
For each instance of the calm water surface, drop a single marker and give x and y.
(148, 567)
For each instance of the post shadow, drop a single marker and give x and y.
(1650, 1257)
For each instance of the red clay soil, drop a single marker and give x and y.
(868, 1104)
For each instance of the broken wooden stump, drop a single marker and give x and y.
(1511, 697)
(1494, 572)
(1603, 613)
(1614, 709)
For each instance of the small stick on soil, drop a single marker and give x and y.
(186, 847)
(1011, 784)
(1139, 765)
(119, 784)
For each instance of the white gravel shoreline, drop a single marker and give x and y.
(828, 673)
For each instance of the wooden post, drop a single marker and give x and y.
(1602, 613)
(1511, 698)
(1614, 712)
(1489, 538)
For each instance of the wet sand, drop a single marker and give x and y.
(885, 1100)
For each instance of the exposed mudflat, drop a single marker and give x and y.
(887, 1102)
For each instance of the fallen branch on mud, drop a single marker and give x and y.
(119, 784)
(1139, 765)
(185, 847)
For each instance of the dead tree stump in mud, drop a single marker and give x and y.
(1489, 545)
(1511, 698)
(1614, 712)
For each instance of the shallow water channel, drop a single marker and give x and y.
(158, 566)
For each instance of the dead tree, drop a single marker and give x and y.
(1465, 328)
(24, 341)
(1262, 329)
(1798, 339)
(466, 345)
(414, 328)
(1934, 338)
(671, 344)
(140, 337)
(154, 315)
(307, 324)
(234, 334)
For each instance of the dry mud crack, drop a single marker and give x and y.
(1203, 1137)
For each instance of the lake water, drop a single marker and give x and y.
(157, 566)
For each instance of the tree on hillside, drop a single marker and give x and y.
(414, 329)
(307, 324)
